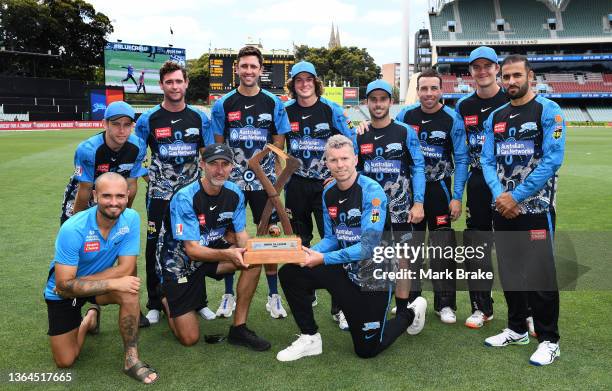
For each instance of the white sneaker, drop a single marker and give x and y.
(419, 306)
(507, 337)
(153, 316)
(394, 310)
(305, 345)
(315, 301)
(545, 354)
(447, 315)
(530, 326)
(275, 307)
(341, 320)
(207, 313)
(477, 319)
(227, 306)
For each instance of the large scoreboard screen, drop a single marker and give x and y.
(223, 77)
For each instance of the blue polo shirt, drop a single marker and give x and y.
(79, 243)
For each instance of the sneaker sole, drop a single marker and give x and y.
(412, 331)
(475, 326)
(539, 364)
(519, 342)
(246, 345)
(302, 355)
(278, 316)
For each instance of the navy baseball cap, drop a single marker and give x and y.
(303, 66)
(379, 84)
(483, 52)
(119, 109)
(217, 151)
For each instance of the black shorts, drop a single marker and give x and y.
(257, 200)
(65, 315)
(189, 295)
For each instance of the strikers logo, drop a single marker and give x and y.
(234, 116)
(333, 211)
(163, 132)
(441, 220)
(103, 167)
(295, 126)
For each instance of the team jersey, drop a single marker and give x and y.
(79, 243)
(354, 221)
(310, 129)
(247, 124)
(392, 157)
(175, 139)
(93, 158)
(443, 144)
(523, 149)
(474, 111)
(195, 215)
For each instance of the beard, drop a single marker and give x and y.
(383, 115)
(108, 215)
(518, 94)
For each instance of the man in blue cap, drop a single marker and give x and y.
(474, 110)
(116, 149)
(313, 119)
(390, 153)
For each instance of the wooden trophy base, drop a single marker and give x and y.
(261, 251)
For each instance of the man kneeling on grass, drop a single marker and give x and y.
(87, 246)
(354, 215)
(192, 245)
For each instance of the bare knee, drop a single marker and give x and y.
(188, 339)
(128, 299)
(64, 360)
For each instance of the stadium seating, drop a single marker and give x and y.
(477, 18)
(600, 113)
(438, 24)
(575, 114)
(527, 21)
(585, 19)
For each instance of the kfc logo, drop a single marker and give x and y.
(91, 247)
(367, 148)
(163, 133)
(441, 220)
(103, 167)
(332, 211)
(295, 126)
(202, 219)
(500, 127)
(470, 120)
(234, 116)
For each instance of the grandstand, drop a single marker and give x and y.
(568, 44)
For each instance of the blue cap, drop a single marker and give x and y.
(483, 52)
(379, 84)
(303, 66)
(119, 109)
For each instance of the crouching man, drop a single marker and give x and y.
(192, 245)
(355, 216)
(86, 248)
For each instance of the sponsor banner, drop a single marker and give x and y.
(557, 58)
(178, 150)
(351, 96)
(382, 166)
(335, 94)
(515, 148)
(571, 95)
(50, 125)
(348, 234)
(308, 144)
(432, 151)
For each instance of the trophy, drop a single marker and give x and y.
(287, 249)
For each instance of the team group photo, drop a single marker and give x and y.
(309, 217)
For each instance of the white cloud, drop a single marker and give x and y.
(296, 11)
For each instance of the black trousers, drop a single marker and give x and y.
(304, 198)
(437, 220)
(365, 311)
(527, 272)
(156, 211)
(479, 221)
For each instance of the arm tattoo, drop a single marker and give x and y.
(83, 288)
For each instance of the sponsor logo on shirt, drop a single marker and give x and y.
(91, 247)
(370, 326)
(416, 128)
(515, 148)
(151, 227)
(382, 166)
(178, 229)
(432, 151)
(178, 149)
(441, 220)
(234, 116)
(308, 144)
(78, 171)
(333, 211)
(499, 127)
(295, 126)
(537, 234)
(470, 120)
(348, 234)
(558, 118)
(248, 134)
(103, 167)
(163, 132)
(202, 219)
(558, 132)
(375, 218)
(366, 148)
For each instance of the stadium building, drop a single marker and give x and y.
(568, 42)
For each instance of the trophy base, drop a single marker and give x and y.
(274, 250)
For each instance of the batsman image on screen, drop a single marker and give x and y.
(136, 67)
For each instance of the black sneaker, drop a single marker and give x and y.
(241, 335)
(143, 322)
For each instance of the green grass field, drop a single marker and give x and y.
(34, 168)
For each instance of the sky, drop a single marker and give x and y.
(200, 24)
